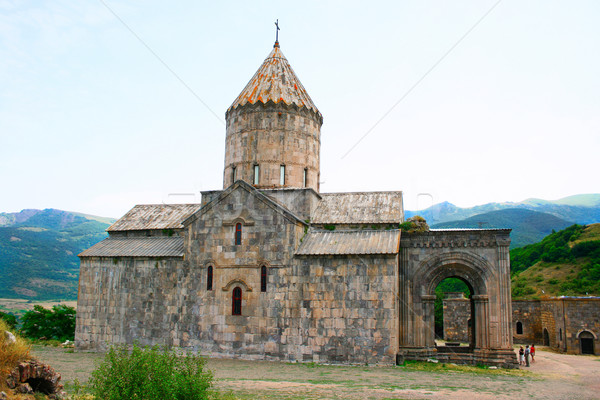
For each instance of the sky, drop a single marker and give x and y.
(105, 104)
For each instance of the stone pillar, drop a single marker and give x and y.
(481, 304)
(427, 330)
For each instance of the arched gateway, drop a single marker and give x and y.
(478, 257)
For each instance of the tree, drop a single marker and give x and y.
(55, 324)
(10, 320)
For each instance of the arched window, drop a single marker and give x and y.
(263, 278)
(282, 175)
(209, 277)
(519, 328)
(305, 177)
(256, 174)
(233, 175)
(560, 335)
(236, 301)
(238, 233)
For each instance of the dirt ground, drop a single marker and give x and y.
(552, 376)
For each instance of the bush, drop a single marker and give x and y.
(10, 355)
(11, 320)
(55, 324)
(150, 373)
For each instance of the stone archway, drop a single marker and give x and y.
(586, 342)
(480, 259)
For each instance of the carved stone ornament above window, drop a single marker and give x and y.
(234, 282)
(244, 217)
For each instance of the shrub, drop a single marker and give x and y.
(150, 373)
(55, 324)
(10, 354)
(9, 319)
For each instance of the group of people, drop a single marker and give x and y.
(525, 353)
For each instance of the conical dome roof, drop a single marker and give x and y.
(275, 81)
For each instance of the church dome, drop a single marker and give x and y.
(275, 81)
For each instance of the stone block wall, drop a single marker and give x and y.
(129, 299)
(457, 312)
(271, 135)
(348, 310)
(528, 313)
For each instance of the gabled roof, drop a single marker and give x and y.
(359, 208)
(243, 185)
(275, 81)
(159, 246)
(154, 216)
(350, 242)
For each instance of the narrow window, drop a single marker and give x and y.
(263, 278)
(519, 328)
(233, 175)
(209, 278)
(560, 335)
(256, 174)
(238, 234)
(236, 303)
(282, 175)
(305, 177)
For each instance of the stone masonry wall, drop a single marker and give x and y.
(528, 313)
(272, 135)
(129, 299)
(348, 310)
(457, 312)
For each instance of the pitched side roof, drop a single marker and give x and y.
(275, 81)
(359, 208)
(160, 246)
(350, 242)
(154, 216)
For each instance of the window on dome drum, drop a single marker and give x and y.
(263, 278)
(305, 177)
(236, 301)
(256, 174)
(519, 328)
(282, 175)
(209, 278)
(238, 234)
(233, 174)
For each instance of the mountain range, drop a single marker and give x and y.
(38, 252)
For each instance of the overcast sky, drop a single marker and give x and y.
(92, 121)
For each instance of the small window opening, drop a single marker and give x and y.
(233, 174)
(256, 174)
(305, 177)
(560, 335)
(263, 278)
(236, 303)
(519, 328)
(282, 175)
(238, 234)
(209, 278)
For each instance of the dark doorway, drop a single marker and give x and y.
(587, 342)
(546, 337)
(519, 328)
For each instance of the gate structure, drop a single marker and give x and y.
(478, 257)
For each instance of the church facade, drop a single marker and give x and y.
(270, 268)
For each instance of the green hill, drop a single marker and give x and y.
(527, 226)
(565, 263)
(39, 250)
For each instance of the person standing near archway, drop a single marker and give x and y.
(527, 352)
(532, 351)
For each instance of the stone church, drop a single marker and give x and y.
(271, 268)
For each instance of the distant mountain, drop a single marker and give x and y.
(38, 252)
(581, 209)
(527, 226)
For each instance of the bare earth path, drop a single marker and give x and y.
(552, 376)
